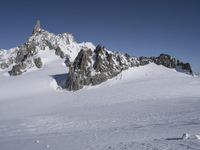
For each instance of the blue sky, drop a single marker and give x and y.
(138, 27)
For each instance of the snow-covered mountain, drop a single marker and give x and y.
(27, 56)
(146, 102)
(88, 64)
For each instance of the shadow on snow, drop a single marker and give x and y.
(60, 79)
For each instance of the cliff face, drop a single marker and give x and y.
(94, 67)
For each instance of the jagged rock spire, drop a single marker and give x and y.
(37, 27)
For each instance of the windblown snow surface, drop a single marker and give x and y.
(143, 108)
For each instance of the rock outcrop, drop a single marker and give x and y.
(38, 62)
(94, 67)
(167, 61)
(17, 69)
(37, 27)
(59, 52)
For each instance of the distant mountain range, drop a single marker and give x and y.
(88, 64)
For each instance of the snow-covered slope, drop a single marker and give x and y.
(144, 103)
(141, 108)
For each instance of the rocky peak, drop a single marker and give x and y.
(63, 45)
(37, 27)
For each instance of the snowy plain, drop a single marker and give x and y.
(143, 108)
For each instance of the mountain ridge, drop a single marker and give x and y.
(22, 57)
(88, 64)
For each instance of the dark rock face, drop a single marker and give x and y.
(95, 67)
(78, 71)
(25, 51)
(22, 54)
(59, 52)
(67, 61)
(23, 59)
(167, 61)
(38, 62)
(171, 62)
(184, 67)
(144, 60)
(17, 69)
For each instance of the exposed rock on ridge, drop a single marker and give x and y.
(169, 62)
(94, 67)
(37, 27)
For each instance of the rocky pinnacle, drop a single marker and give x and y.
(37, 27)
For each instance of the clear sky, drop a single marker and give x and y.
(138, 27)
